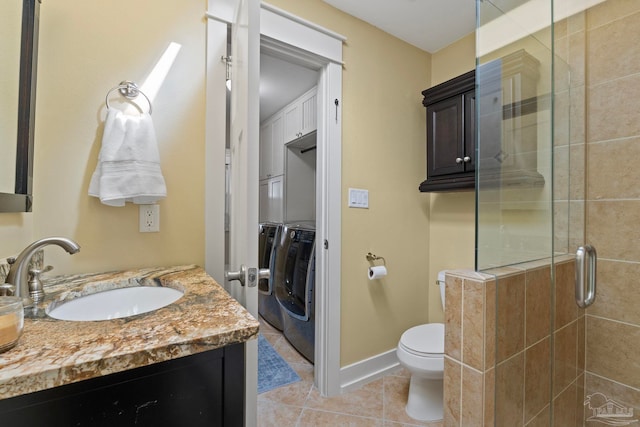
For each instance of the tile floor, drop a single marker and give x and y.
(377, 404)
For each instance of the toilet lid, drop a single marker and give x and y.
(424, 339)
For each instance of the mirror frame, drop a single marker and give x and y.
(22, 199)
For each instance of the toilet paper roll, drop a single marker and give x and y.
(377, 272)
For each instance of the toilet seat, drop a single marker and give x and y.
(424, 340)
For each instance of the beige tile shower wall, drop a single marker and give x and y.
(613, 199)
(469, 349)
(506, 317)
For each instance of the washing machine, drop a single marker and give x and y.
(294, 282)
(268, 306)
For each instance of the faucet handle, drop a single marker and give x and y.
(36, 290)
(7, 289)
(36, 272)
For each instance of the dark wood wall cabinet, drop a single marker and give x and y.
(508, 106)
(450, 134)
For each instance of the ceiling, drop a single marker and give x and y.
(281, 82)
(427, 24)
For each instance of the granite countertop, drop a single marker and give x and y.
(53, 352)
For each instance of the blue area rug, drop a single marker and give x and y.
(273, 371)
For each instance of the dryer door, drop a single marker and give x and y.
(293, 289)
(268, 236)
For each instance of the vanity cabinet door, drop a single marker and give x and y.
(206, 389)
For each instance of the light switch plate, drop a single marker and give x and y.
(358, 198)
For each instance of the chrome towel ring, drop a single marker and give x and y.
(129, 90)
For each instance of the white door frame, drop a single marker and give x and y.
(304, 42)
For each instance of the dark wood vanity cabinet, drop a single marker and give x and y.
(205, 389)
(451, 138)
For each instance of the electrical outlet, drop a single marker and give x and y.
(149, 218)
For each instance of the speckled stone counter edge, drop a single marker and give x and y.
(53, 352)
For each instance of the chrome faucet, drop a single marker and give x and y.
(20, 266)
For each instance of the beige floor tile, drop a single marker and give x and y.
(277, 415)
(388, 423)
(271, 337)
(396, 390)
(400, 372)
(380, 403)
(288, 352)
(365, 402)
(294, 394)
(315, 418)
(265, 327)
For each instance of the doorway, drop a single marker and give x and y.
(292, 39)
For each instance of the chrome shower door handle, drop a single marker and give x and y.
(586, 263)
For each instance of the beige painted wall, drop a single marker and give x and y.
(86, 48)
(452, 215)
(453, 60)
(383, 151)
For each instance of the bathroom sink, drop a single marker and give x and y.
(114, 303)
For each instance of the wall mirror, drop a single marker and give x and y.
(18, 59)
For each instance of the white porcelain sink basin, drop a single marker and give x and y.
(115, 303)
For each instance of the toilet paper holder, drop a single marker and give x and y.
(371, 258)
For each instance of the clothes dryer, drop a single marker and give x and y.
(294, 283)
(268, 307)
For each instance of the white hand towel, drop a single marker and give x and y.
(128, 167)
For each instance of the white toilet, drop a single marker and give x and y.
(421, 351)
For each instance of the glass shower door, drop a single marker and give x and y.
(530, 207)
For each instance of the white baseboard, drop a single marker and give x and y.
(367, 370)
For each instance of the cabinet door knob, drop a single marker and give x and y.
(467, 159)
(459, 160)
